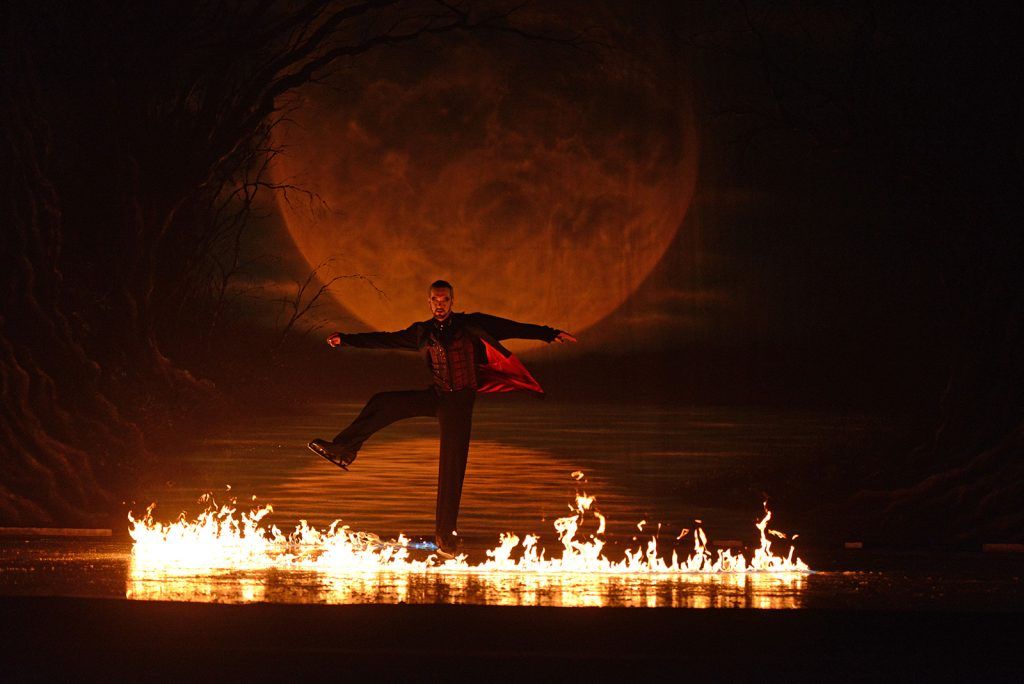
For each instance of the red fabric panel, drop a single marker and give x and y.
(505, 374)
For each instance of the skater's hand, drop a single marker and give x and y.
(334, 340)
(564, 337)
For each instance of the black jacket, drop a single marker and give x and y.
(499, 370)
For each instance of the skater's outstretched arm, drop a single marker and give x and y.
(504, 329)
(403, 339)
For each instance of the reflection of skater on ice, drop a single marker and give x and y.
(465, 356)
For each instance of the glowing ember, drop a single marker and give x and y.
(223, 538)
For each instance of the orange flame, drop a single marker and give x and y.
(219, 538)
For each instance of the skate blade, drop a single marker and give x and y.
(320, 452)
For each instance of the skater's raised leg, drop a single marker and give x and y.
(383, 409)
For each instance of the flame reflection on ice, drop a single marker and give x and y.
(726, 590)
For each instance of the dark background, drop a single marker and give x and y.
(853, 243)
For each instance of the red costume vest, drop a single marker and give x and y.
(464, 357)
(452, 360)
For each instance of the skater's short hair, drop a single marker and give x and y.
(438, 284)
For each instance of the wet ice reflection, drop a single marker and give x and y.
(731, 590)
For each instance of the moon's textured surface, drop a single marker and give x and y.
(543, 194)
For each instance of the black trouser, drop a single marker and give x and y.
(454, 411)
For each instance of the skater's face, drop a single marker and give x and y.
(440, 302)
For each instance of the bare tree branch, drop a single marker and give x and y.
(308, 297)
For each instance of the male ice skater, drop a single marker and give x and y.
(465, 356)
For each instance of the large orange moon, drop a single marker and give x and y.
(543, 196)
